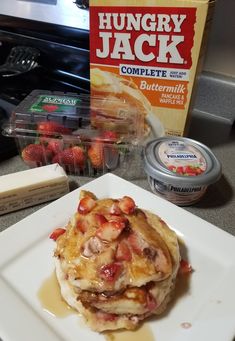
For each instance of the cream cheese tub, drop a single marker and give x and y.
(180, 169)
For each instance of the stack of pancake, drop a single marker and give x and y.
(115, 263)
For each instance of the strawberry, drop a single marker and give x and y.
(96, 154)
(92, 246)
(110, 230)
(198, 170)
(115, 209)
(55, 145)
(73, 156)
(48, 127)
(35, 155)
(82, 225)
(188, 170)
(101, 315)
(110, 272)
(50, 107)
(118, 218)
(56, 233)
(100, 219)
(172, 168)
(151, 302)
(93, 220)
(185, 267)
(109, 136)
(136, 243)
(127, 205)
(180, 170)
(86, 204)
(123, 252)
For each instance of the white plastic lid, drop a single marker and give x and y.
(181, 161)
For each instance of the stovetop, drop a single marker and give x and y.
(15, 88)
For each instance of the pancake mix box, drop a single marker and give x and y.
(148, 53)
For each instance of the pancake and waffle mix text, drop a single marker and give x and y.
(156, 45)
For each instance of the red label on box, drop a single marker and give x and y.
(150, 36)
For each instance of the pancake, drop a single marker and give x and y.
(109, 84)
(117, 91)
(116, 264)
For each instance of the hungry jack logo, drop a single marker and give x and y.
(160, 37)
(147, 54)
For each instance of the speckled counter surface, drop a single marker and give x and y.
(217, 206)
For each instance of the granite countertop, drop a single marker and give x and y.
(216, 207)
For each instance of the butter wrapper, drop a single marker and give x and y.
(31, 187)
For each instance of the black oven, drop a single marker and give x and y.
(62, 63)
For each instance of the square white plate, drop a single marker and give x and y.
(26, 261)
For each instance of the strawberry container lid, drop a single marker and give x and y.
(61, 114)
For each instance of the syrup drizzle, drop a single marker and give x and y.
(50, 298)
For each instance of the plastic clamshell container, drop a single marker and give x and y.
(87, 136)
(180, 169)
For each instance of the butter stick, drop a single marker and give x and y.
(31, 187)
